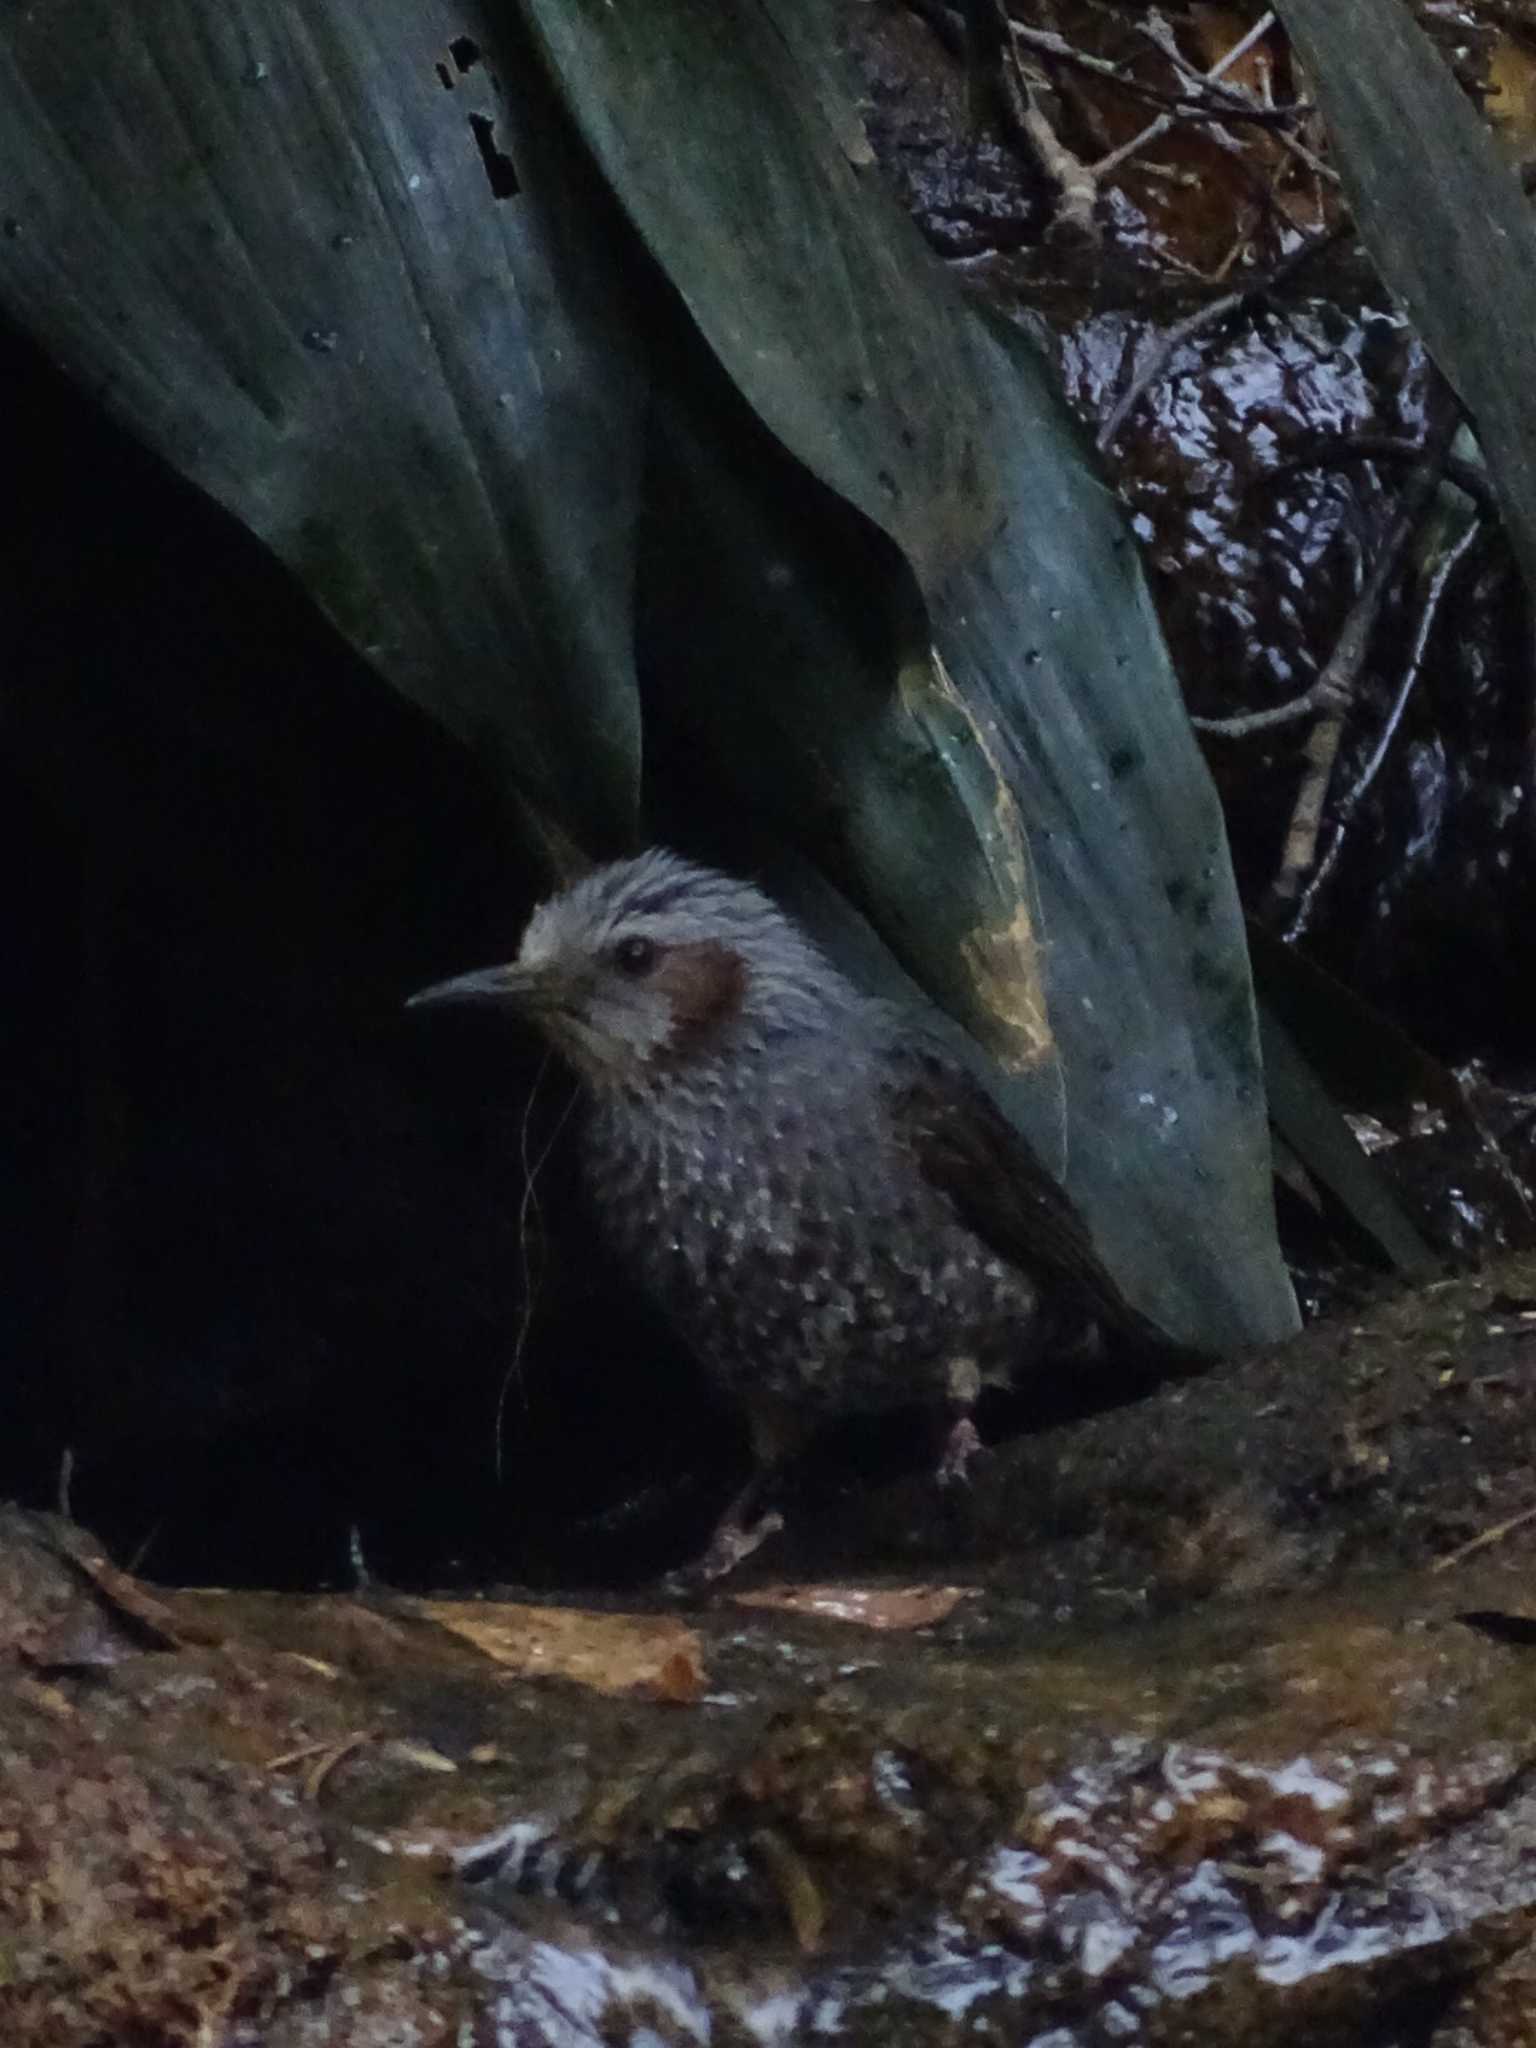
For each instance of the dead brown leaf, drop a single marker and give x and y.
(885, 1607)
(652, 1654)
(145, 1619)
(802, 1896)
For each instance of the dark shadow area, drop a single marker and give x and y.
(270, 1270)
(263, 1244)
(268, 1263)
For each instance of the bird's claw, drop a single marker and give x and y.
(731, 1543)
(962, 1447)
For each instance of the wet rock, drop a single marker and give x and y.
(1392, 1435)
(1499, 2011)
(1203, 1751)
(967, 190)
(1261, 464)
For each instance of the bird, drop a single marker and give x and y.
(824, 1203)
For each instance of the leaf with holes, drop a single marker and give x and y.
(296, 251)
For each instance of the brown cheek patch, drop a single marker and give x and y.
(705, 984)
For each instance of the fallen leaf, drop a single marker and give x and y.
(145, 1620)
(681, 1679)
(867, 1606)
(802, 1896)
(47, 1697)
(653, 1654)
(334, 1754)
(317, 1665)
(421, 1754)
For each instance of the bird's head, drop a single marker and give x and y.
(648, 966)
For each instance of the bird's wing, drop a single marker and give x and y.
(991, 1175)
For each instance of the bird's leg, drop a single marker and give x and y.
(962, 1442)
(746, 1525)
(740, 1530)
(962, 1446)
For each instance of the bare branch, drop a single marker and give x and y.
(1445, 569)
(1342, 673)
(1164, 122)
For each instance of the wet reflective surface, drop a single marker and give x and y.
(1261, 465)
(1223, 1733)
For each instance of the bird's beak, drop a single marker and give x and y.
(525, 988)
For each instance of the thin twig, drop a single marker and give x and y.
(529, 1215)
(1245, 723)
(1165, 121)
(1342, 670)
(1187, 105)
(336, 1753)
(290, 1757)
(1485, 1541)
(1308, 158)
(1322, 453)
(1445, 569)
(1000, 87)
(1466, 476)
(1071, 81)
(1319, 758)
(1214, 81)
(1210, 315)
(991, 42)
(1236, 100)
(1049, 44)
(1242, 240)
(1077, 188)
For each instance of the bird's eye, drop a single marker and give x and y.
(635, 955)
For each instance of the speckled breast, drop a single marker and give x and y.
(794, 1245)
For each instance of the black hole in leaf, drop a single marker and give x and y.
(465, 52)
(498, 165)
(445, 77)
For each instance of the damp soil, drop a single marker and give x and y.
(1223, 1732)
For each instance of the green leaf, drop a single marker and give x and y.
(723, 130)
(1308, 1118)
(1444, 219)
(1020, 801)
(1361, 1055)
(266, 237)
(1053, 641)
(1051, 702)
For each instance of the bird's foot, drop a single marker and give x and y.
(962, 1447)
(734, 1540)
